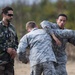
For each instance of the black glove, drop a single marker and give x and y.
(23, 57)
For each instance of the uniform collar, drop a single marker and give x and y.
(34, 29)
(4, 24)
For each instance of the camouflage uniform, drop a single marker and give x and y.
(46, 67)
(8, 39)
(59, 50)
(41, 53)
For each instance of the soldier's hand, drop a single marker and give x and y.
(23, 58)
(58, 42)
(9, 50)
(14, 53)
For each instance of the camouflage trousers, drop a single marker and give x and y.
(61, 69)
(45, 68)
(6, 69)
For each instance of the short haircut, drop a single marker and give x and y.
(62, 15)
(30, 24)
(6, 9)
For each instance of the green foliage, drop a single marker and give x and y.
(44, 10)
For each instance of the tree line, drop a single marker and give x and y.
(43, 10)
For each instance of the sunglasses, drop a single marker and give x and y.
(10, 15)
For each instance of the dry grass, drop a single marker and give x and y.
(24, 69)
(21, 69)
(71, 67)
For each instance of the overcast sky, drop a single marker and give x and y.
(5, 2)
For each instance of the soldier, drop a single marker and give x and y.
(8, 42)
(41, 53)
(59, 50)
(41, 56)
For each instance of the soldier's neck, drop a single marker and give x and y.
(5, 22)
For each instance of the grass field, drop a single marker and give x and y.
(24, 69)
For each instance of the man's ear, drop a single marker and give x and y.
(28, 29)
(3, 14)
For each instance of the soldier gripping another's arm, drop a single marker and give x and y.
(64, 34)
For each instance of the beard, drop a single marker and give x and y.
(9, 20)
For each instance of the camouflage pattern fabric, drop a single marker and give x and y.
(8, 39)
(46, 67)
(23, 57)
(59, 51)
(40, 46)
(6, 69)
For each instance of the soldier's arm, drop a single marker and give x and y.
(58, 42)
(21, 51)
(15, 39)
(72, 41)
(23, 44)
(46, 25)
(65, 34)
(16, 42)
(3, 45)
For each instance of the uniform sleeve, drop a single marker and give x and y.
(16, 42)
(46, 25)
(21, 51)
(72, 41)
(23, 44)
(65, 34)
(13, 37)
(3, 45)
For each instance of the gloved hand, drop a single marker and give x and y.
(23, 58)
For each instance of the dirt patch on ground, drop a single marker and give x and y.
(24, 69)
(71, 67)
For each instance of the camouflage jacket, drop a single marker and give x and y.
(58, 50)
(8, 39)
(40, 46)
